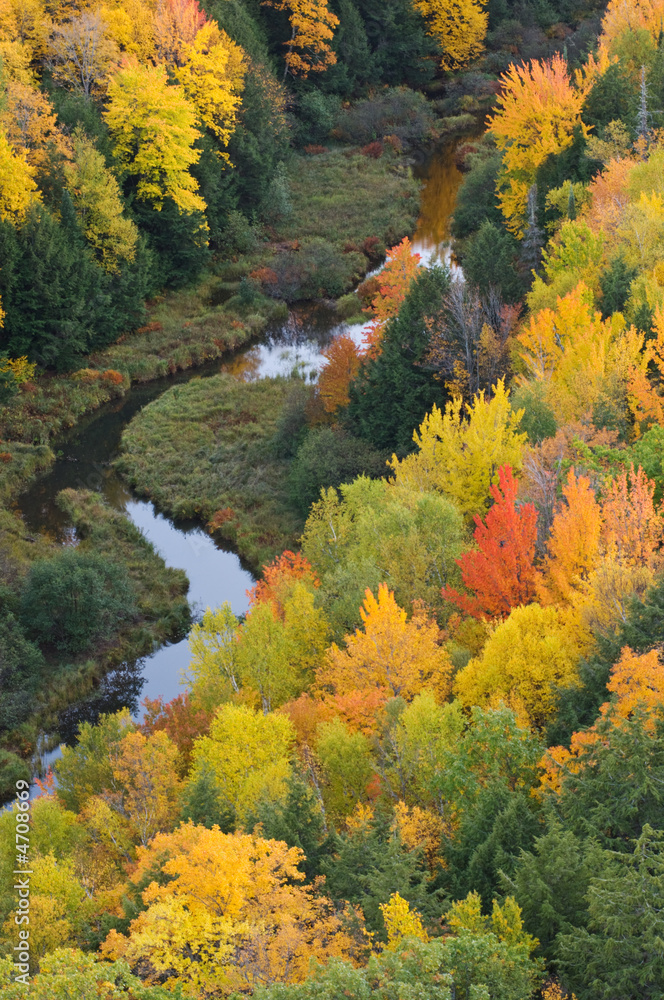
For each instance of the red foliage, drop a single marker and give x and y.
(373, 149)
(5, 457)
(180, 719)
(111, 377)
(221, 517)
(501, 570)
(279, 576)
(313, 150)
(373, 248)
(150, 328)
(360, 710)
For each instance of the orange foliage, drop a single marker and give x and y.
(401, 268)
(391, 652)
(633, 526)
(501, 570)
(608, 198)
(279, 576)
(306, 714)
(181, 720)
(574, 543)
(359, 710)
(646, 401)
(343, 362)
(312, 30)
(636, 680)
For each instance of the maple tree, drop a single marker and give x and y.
(632, 526)
(390, 652)
(231, 916)
(537, 112)
(574, 543)
(277, 579)
(312, 30)
(461, 457)
(458, 26)
(401, 268)
(182, 719)
(501, 571)
(342, 363)
(528, 657)
(153, 128)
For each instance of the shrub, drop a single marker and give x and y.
(329, 457)
(317, 113)
(238, 235)
(313, 150)
(12, 769)
(373, 149)
(75, 599)
(317, 269)
(399, 113)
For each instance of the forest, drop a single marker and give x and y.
(425, 758)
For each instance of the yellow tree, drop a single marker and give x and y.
(247, 754)
(82, 53)
(31, 124)
(99, 207)
(462, 457)
(459, 27)
(632, 523)
(153, 128)
(528, 657)
(229, 915)
(312, 30)
(212, 75)
(401, 922)
(536, 115)
(576, 356)
(389, 652)
(17, 187)
(146, 773)
(212, 673)
(574, 543)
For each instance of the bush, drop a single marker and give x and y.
(399, 112)
(329, 457)
(75, 599)
(317, 270)
(12, 769)
(317, 113)
(238, 235)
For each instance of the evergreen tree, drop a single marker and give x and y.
(488, 262)
(621, 953)
(392, 392)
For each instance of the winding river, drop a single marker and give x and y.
(216, 574)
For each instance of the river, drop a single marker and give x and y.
(216, 574)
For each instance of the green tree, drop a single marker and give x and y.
(85, 769)
(392, 392)
(489, 262)
(75, 599)
(621, 953)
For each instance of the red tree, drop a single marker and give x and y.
(278, 578)
(501, 570)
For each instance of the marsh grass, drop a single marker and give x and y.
(346, 198)
(205, 450)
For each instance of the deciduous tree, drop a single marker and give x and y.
(401, 269)
(145, 772)
(389, 652)
(529, 656)
(342, 362)
(231, 914)
(459, 27)
(153, 127)
(312, 30)
(17, 186)
(461, 457)
(82, 53)
(501, 571)
(536, 115)
(574, 543)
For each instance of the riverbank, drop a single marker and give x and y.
(207, 450)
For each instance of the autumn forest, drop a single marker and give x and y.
(364, 301)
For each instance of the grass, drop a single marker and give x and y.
(204, 450)
(348, 198)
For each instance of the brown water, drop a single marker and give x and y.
(216, 574)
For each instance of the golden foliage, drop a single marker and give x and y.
(459, 27)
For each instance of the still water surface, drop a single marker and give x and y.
(215, 573)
